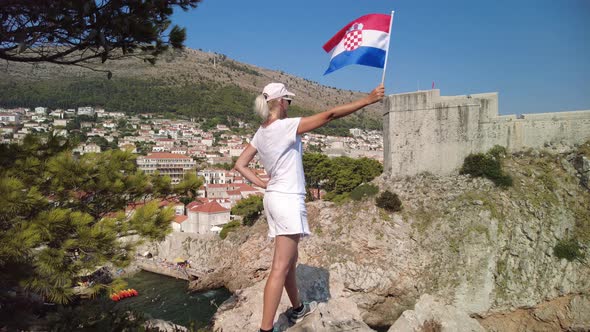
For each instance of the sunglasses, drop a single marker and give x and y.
(289, 100)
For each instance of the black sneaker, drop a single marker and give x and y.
(297, 316)
(274, 329)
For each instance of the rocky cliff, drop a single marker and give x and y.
(479, 252)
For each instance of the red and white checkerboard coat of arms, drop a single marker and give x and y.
(354, 37)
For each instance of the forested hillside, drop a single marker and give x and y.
(188, 84)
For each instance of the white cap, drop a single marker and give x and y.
(276, 90)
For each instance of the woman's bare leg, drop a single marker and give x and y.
(291, 284)
(285, 256)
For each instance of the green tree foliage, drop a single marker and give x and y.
(73, 124)
(189, 185)
(488, 165)
(363, 191)
(315, 166)
(229, 227)
(584, 149)
(224, 166)
(339, 175)
(568, 249)
(75, 32)
(498, 152)
(161, 184)
(249, 208)
(389, 201)
(101, 142)
(239, 67)
(62, 216)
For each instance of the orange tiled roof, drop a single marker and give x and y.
(193, 204)
(161, 203)
(244, 187)
(211, 207)
(217, 185)
(180, 219)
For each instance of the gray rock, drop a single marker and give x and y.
(334, 316)
(582, 164)
(579, 308)
(164, 326)
(432, 312)
(243, 312)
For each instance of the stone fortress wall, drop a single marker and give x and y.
(426, 132)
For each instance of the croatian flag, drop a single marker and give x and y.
(363, 41)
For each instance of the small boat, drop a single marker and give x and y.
(124, 294)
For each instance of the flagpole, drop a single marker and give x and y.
(387, 52)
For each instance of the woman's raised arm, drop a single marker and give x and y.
(312, 122)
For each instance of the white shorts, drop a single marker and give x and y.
(285, 213)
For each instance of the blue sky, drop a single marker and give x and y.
(534, 53)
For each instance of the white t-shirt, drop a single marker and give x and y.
(281, 151)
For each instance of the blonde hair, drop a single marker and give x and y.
(263, 108)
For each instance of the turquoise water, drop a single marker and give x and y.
(167, 298)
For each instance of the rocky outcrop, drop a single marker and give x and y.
(582, 165)
(334, 313)
(567, 313)
(432, 314)
(478, 248)
(163, 326)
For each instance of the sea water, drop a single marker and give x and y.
(167, 298)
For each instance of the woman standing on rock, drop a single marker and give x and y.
(278, 143)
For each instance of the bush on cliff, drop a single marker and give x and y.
(488, 165)
(338, 176)
(229, 227)
(389, 201)
(498, 152)
(568, 249)
(584, 149)
(339, 199)
(249, 208)
(363, 191)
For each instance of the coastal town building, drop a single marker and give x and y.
(87, 148)
(355, 132)
(203, 217)
(177, 223)
(86, 110)
(60, 122)
(41, 110)
(219, 176)
(12, 118)
(173, 165)
(231, 189)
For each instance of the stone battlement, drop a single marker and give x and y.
(427, 132)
